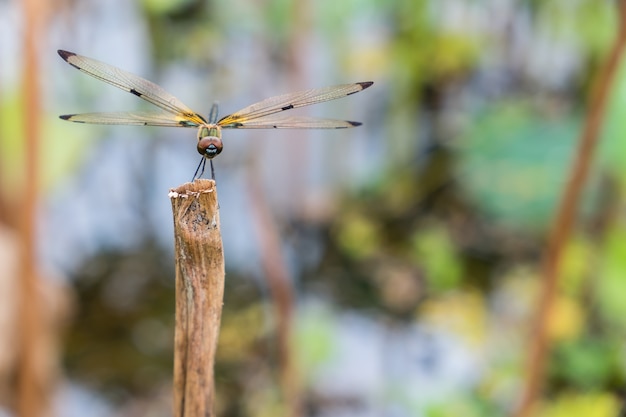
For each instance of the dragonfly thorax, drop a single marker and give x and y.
(209, 140)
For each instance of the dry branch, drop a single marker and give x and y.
(565, 217)
(199, 296)
(281, 291)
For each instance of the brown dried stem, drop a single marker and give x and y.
(199, 296)
(564, 220)
(33, 390)
(281, 292)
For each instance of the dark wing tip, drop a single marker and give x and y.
(65, 116)
(366, 84)
(353, 124)
(65, 54)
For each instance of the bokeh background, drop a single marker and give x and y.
(410, 249)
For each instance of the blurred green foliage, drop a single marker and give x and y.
(575, 405)
(513, 163)
(435, 251)
(612, 285)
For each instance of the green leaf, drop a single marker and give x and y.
(514, 162)
(434, 251)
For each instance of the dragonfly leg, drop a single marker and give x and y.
(212, 170)
(199, 169)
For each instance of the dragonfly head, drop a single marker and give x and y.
(209, 141)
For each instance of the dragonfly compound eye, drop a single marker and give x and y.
(210, 146)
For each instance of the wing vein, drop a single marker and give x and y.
(290, 101)
(133, 84)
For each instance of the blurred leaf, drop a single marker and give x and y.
(589, 23)
(264, 401)
(163, 6)
(567, 319)
(611, 286)
(279, 18)
(442, 53)
(12, 144)
(358, 235)
(463, 313)
(575, 265)
(314, 338)
(239, 332)
(513, 164)
(613, 146)
(434, 251)
(64, 158)
(581, 405)
(465, 407)
(587, 364)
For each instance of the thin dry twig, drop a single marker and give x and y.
(564, 220)
(282, 294)
(199, 296)
(33, 393)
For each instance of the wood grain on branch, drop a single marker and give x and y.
(199, 296)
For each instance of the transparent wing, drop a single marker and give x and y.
(131, 118)
(134, 84)
(281, 122)
(289, 101)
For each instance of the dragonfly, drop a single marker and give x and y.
(265, 114)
